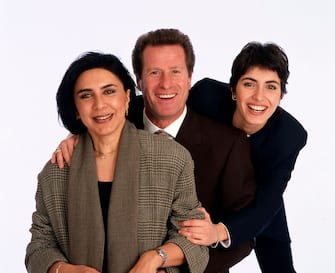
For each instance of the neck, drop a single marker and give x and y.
(103, 155)
(249, 129)
(162, 123)
(105, 147)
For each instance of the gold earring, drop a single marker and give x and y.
(127, 112)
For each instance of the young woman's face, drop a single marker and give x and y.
(101, 101)
(258, 93)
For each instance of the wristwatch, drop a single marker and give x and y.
(162, 253)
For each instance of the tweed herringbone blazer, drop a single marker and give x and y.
(224, 174)
(153, 189)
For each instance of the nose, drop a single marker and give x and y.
(259, 93)
(98, 102)
(165, 80)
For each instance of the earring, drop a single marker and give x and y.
(233, 97)
(127, 112)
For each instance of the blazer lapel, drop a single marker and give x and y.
(86, 230)
(123, 207)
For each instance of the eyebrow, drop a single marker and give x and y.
(90, 90)
(252, 79)
(248, 78)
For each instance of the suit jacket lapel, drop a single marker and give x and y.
(189, 133)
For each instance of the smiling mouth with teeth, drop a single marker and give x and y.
(257, 108)
(167, 96)
(103, 117)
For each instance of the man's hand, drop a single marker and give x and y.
(64, 151)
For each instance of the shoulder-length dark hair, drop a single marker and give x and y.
(268, 55)
(67, 110)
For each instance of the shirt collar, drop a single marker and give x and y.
(172, 129)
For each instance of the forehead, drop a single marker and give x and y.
(97, 75)
(261, 74)
(164, 55)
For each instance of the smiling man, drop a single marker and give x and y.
(163, 62)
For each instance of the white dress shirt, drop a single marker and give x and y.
(172, 129)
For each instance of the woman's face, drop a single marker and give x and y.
(258, 94)
(101, 101)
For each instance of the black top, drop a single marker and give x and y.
(104, 192)
(274, 151)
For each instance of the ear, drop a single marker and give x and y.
(189, 82)
(139, 84)
(233, 93)
(128, 95)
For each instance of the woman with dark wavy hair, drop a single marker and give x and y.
(116, 208)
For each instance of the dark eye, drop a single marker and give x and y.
(110, 91)
(85, 95)
(248, 84)
(154, 72)
(271, 87)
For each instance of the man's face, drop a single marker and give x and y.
(165, 83)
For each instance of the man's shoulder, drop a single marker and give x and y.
(211, 126)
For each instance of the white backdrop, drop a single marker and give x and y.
(39, 39)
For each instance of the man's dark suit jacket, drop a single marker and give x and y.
(224, 174)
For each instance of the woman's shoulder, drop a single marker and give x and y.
(52, 169)
(208, 83)
(52, 177)
(283, 130)
(287, 123)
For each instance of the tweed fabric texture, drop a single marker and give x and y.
(152, 191)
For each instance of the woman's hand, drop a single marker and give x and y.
(62, 267)
(149, 262)
(64, 151)
(202, 231)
